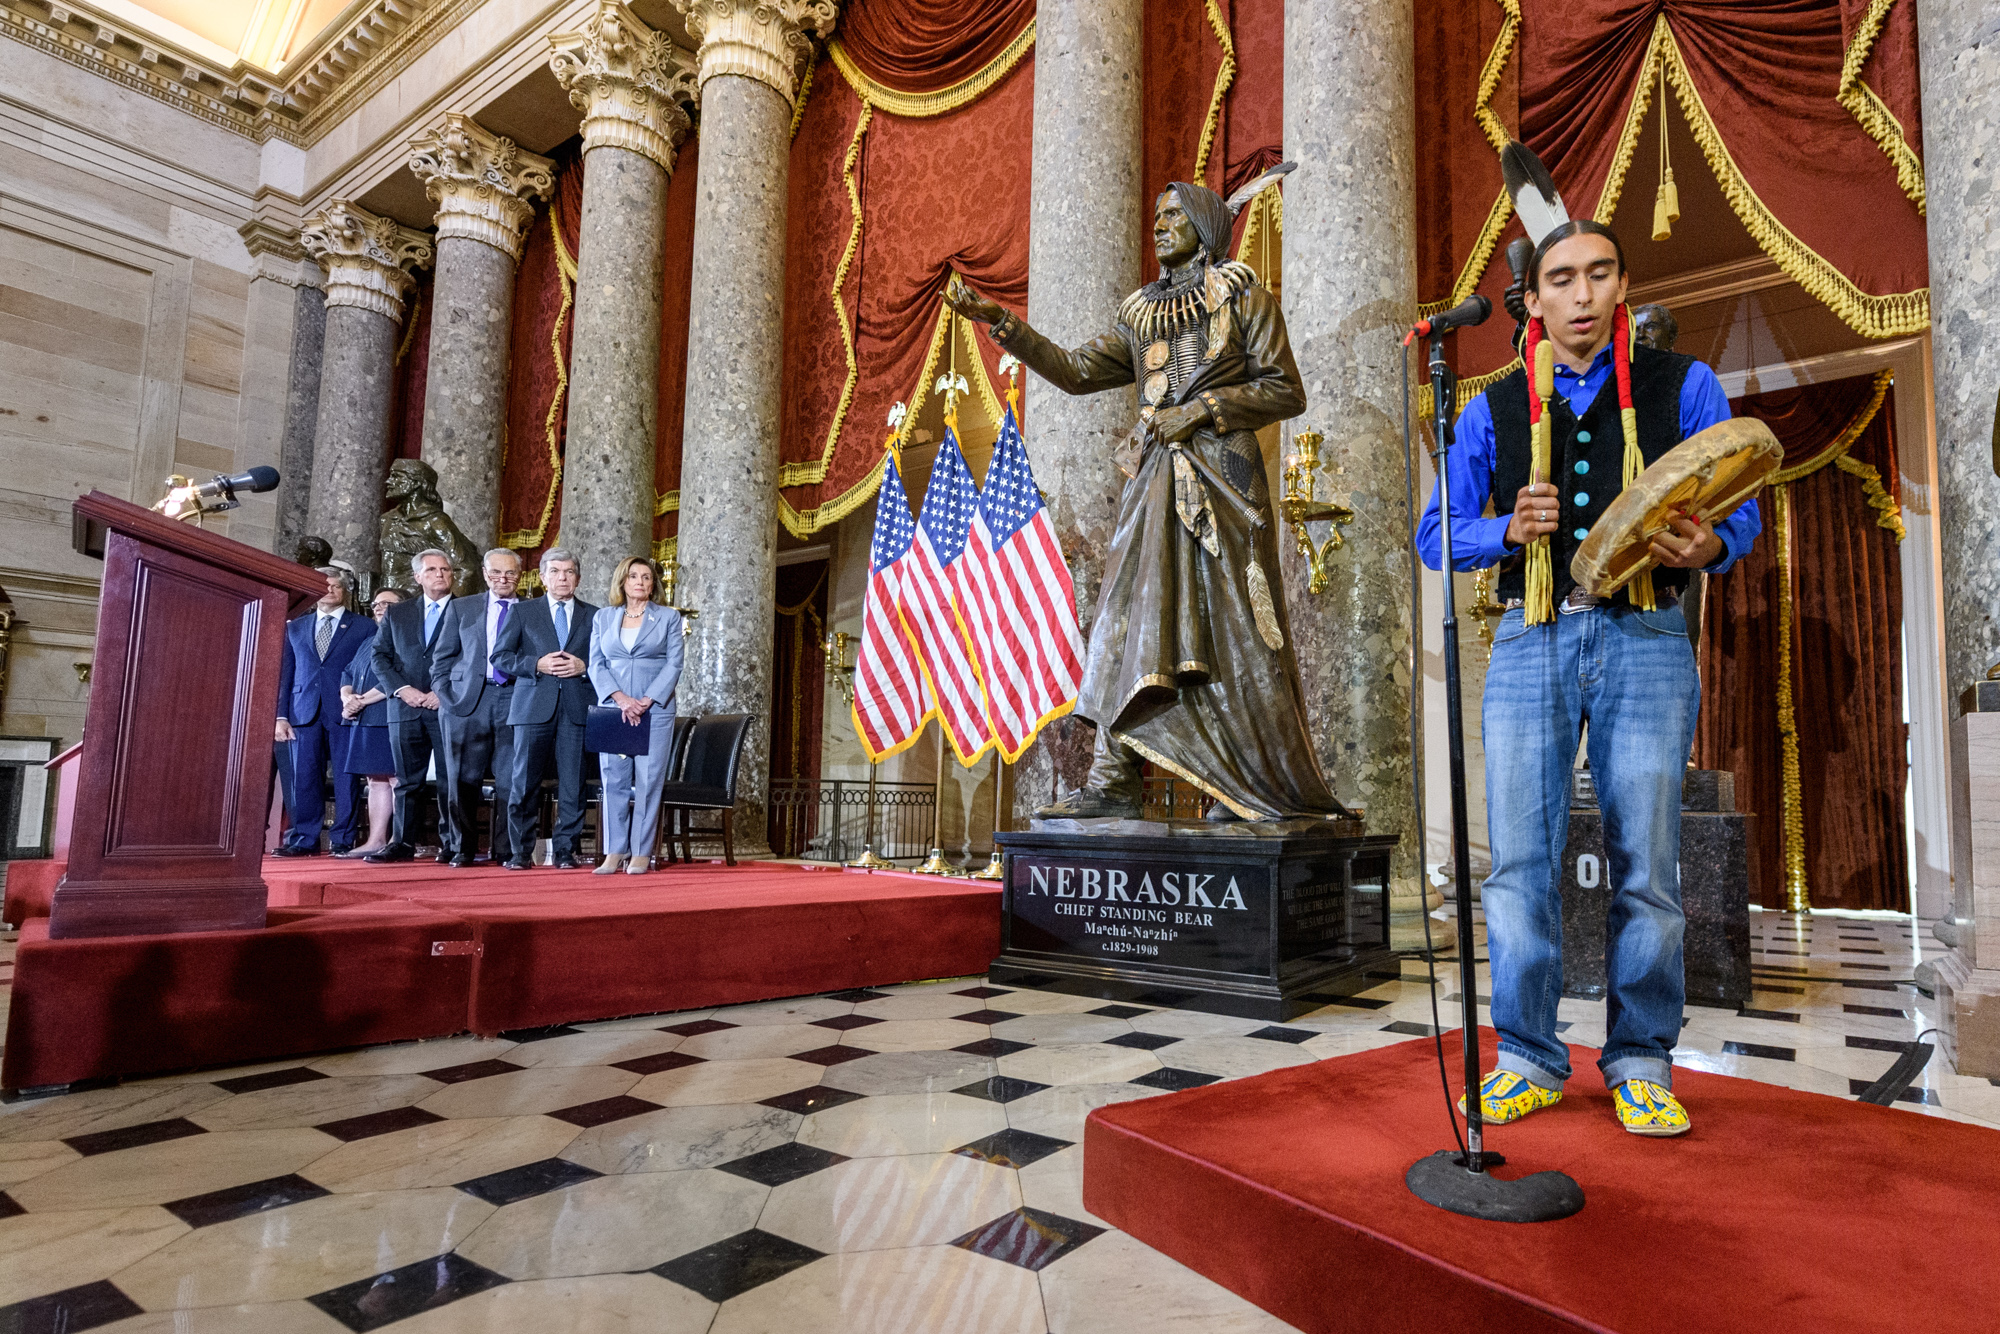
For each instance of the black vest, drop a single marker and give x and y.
(1586, 457)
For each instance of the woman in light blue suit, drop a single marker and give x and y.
(635, 664)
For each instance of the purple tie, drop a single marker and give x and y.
(494, 674)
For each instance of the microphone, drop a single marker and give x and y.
(1473, 310)
(224, 489)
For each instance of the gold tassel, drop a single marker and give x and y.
(1541, 589)
(1641, 587)
(1667, 204)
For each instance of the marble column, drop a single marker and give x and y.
(1350, 292)
(1086, 252)
(749, 61)
(629, 82)
(1960, 66)
(484, 187)
(295, 449)
(368, 263)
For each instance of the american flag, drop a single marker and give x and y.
(891, 701)
(1020, 603)
(927, 597)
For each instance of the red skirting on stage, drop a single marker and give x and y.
(1780, 1210)
(356, 954)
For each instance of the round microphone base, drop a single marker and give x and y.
(1541, 1197)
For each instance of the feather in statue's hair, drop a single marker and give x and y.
(1533, 191)
(1249, 192)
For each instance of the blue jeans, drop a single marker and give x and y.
(1631, 675)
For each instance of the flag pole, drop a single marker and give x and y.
(935, 864)
(868, 861)
(994, 869)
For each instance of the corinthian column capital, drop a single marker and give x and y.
(369, 261)
(628, 81)
(758, 39)
(483, 184)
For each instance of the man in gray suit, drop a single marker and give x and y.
(403, 666)
(474, 698)
(545, 647)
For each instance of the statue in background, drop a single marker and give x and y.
(1190, 663)
(416, 521)
(313, 552)
(1655, 327)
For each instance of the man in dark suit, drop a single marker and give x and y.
(545, 647)
(318, 647)
(475, 696)
(416, 734)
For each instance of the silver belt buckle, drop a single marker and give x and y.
(1578, 600)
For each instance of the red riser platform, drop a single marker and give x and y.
(1781, 1210)
(357, 954)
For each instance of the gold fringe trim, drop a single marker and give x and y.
(526, 539)
(1889, 515)
(1871, 113)
(1895, 315)
(799, 103)
(666, 548)
(1845, 441)
(667, 502)
(1467, 389)
(1488, 241)
(409, 328)
(1791, 800)
(1225, 75)
(966, 91)
(1270, 202)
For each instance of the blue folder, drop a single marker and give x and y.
(606, 732)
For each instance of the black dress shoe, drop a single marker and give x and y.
(461, 862)
(565, 862)
(395, 852)
(517, 865)
(342, 849)
(294, 850)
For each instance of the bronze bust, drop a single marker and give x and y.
(416, 522)
(1190, 664)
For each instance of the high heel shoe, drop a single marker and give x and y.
(639, 866)
(612, 863)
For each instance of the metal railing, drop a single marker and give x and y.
(828, 821)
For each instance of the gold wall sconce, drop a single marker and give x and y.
(82, 670)
(670, 571)
(840, 663)
(1297, 507)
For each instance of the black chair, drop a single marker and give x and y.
(706, 782)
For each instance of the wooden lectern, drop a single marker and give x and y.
(168, 830)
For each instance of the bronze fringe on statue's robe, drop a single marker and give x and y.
(1180, 668)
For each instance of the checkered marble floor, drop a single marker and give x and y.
(899, 1160)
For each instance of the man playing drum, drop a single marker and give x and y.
(1561, 657)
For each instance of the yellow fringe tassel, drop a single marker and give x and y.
(1541, 590)
(1641, 588)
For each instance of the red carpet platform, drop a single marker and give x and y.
(355, 954)
(1780, 1211)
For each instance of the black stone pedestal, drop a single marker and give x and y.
(1716, 874)
(1265, 920)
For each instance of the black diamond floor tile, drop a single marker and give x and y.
(1870, 967)
(524, 1183)
(1876, 1044)
(819, 1098)
(379, 1123)
(982, 993)
(842, 1022)
(1409, 1029)
(1852, 949)
(1173, 1080)
(986, 1017)
(1030, 1238)
(857, 995)
(1276, 1033)
(1774, 988)
(1927, 1097)
(270, 1079)
(70, 1311)
(1353, 1002)
(1863, 984)
(694, 1028)
(1776, 1016)
(652, 1065)
(542, 1034)
(992, 1047)
(1120, 1011)
(371, 1303)
(9, 1206)
(786, 1162)
(134, 1137)
(735, 1265)
(1759, 1049)
(1711, 1002)
(459, 1074)
(1139, 1041)
(833, 1055)
(1000, 1088)
(1013, 1148)
(1880, 1011)
(219, 1206)
(605, 1110)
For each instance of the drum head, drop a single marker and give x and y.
(1706, 476)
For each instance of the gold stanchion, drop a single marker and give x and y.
(995, 869)
(935, 864)
(868, 861)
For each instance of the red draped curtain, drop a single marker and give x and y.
(538, 365)
(677, 276)
(1801, 657)
(411, 371)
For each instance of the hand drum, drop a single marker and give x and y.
(1706, 476)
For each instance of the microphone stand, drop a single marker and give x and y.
(1461, 1184)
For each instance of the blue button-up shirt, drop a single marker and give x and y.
(1477, 541)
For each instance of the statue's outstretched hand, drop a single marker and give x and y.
(970, 304)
